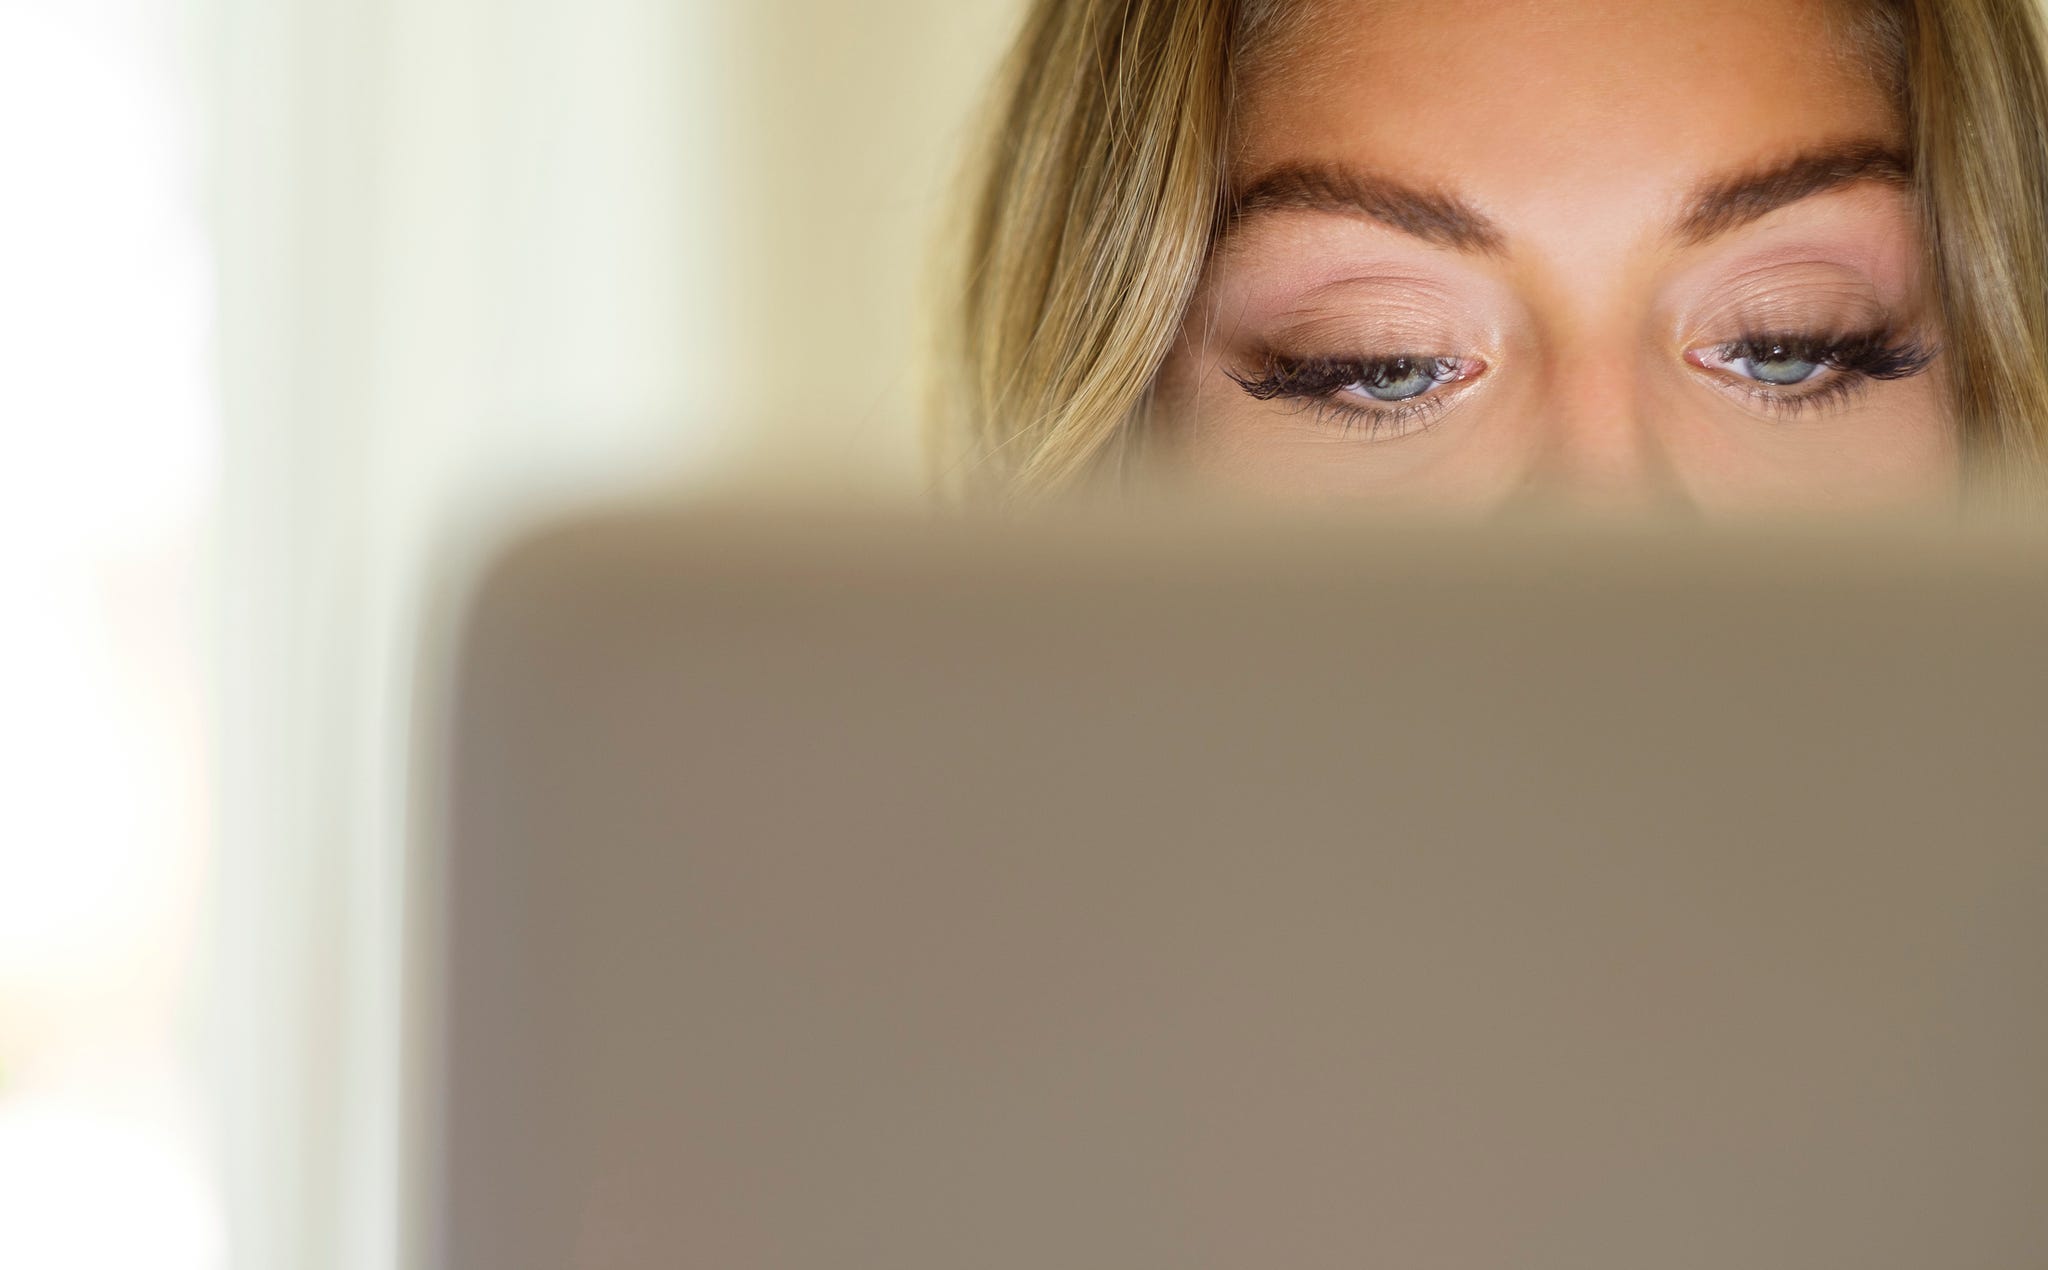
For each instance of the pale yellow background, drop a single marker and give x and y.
(307, 303)
(479, 260)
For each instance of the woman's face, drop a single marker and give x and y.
(1627, 253)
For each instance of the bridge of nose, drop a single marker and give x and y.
(1599, 428)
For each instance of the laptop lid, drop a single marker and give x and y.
(830, 892)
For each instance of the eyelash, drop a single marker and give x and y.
(1316, 381)
(1858, 359)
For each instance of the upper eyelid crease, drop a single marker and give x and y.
(1717, 207)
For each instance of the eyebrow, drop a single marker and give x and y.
(1718, 207)
(1734, 202)
(1437, 218)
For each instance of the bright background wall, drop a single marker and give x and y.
(303, 303)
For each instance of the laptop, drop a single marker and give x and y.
(832, 890)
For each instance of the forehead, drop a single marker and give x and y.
(1570, 105)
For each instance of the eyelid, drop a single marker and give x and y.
(1881, 351)
(1282, 375)
(1852, 362)
(1323, 386)
(1379, 326)
(1850, 276)
(1776, 303)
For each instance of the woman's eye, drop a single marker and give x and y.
(1377, 386)
(1773, 365)
(1401, 380)
(1781, 371)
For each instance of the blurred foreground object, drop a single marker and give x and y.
(842, 893)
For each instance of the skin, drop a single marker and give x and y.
(1585, 342)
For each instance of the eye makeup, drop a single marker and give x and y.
(1380, 397)
(1785, 372)
(1788, 372)
(1327, 325)
(1368, 352)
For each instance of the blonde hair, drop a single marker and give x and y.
(1101, 183)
